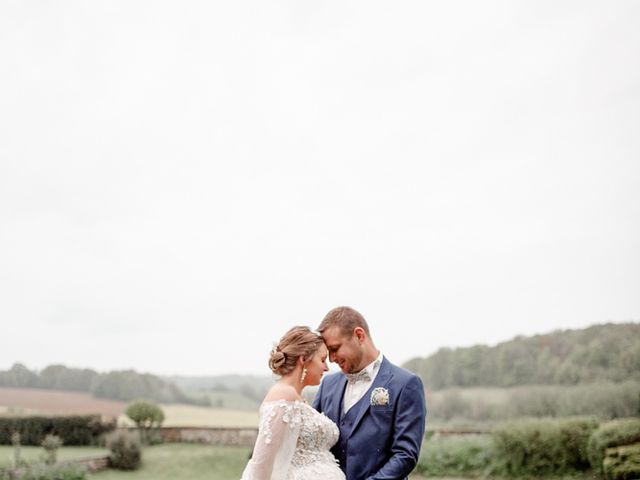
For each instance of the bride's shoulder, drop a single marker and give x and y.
(284, 404)
(282, 393)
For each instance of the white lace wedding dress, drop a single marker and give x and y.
(293, 444)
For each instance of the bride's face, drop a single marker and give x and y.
(317, 366)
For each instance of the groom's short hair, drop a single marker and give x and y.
(346, 318)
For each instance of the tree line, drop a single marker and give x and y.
(123, 385)
(600, 353)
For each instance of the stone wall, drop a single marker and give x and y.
(241, 437)
(92, 464)
(246, 437)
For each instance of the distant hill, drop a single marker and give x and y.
(609, 352)
(227, 391)
(220, 382)
(122, 385)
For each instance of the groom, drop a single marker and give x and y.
(378, 407)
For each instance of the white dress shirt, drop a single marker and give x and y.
(356, 389)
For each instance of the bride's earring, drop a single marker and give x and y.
(304, 374)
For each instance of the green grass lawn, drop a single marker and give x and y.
(176, 461)
(185, 461)
(32, 454)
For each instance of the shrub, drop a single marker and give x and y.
(73, 429)
(146, 415)
(615, 433)
(455, 456)
(622, 463)
(126, 452)
(17, 450)
(542, 447)
(155, 438)
(51, 444)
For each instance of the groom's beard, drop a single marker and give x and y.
(353, 365)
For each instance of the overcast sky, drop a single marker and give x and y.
(181, 182)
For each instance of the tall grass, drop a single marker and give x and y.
(604, 401)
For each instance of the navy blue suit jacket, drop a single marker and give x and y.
(377, 442)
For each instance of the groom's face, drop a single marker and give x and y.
(344, 349)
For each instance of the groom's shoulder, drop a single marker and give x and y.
(403, 375)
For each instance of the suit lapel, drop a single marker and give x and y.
(362, 406)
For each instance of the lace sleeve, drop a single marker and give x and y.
(277, 436)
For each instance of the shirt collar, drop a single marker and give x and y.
(373, 366)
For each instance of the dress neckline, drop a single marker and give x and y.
(283, 401)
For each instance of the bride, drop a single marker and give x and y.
(293, 438)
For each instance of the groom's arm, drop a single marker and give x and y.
(408, 432)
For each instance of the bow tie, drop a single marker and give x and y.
(361, 376)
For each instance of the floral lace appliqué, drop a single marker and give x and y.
(312, 458)
(291, 415)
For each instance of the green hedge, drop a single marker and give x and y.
(551, 447)
(542, 447)
(73, 430)
(455, 456)
(622, 463)
(615, 433)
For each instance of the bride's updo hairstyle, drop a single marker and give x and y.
(297, 342)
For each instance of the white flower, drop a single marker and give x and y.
(380, 396)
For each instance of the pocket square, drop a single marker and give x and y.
(380, 396)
